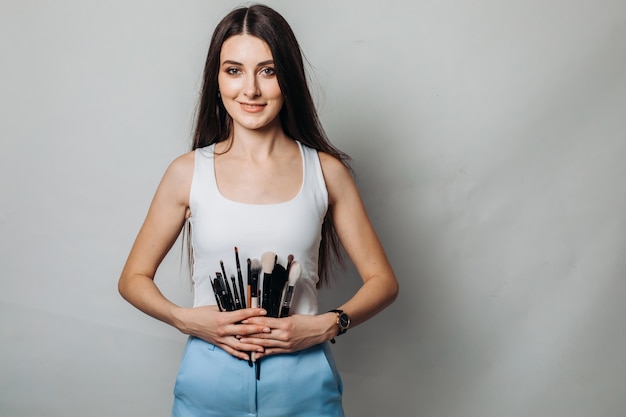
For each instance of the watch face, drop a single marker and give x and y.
(344, 320)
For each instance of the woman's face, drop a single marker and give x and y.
(247, 83)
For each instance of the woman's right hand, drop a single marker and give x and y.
(222, 328)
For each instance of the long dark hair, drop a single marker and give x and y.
(298, 115)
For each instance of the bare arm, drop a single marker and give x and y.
(161, 227)
(358, 237)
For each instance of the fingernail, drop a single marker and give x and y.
(263, 312)
(267, 330)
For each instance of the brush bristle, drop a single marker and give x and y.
(255, 266)
(268, 260)
(294, 273)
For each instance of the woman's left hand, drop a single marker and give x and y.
(293, 333)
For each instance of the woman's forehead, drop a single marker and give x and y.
(248, 47)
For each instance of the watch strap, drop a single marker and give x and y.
(342, 329)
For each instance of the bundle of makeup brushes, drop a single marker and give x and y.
(267, 281)
(269, 285)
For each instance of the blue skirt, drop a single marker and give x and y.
(212, 383)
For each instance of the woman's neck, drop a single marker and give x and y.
(255, 144)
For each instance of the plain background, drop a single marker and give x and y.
(489, 143)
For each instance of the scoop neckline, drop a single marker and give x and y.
(223, 197)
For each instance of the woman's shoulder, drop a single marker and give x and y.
(332, 166)
(181, 168)
(337, 175)
(176, 181)
(184, 161)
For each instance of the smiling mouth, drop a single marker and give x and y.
(251, 106)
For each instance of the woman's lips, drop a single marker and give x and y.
(251, 108)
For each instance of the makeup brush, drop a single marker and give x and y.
(228, 290)
(242, 293)
(255, 272)
(227, 301)
(294, 275)
(249, 282)
(235, 292)
(277, 286)
(268, 261)
(256, 267)
(223, 270)
(216, 292)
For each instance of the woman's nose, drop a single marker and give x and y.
(251, 89)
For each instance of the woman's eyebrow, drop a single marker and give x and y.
(230, 62)
(260, 64)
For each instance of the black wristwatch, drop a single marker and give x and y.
(343, 322)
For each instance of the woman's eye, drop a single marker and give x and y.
(232, 71)
(268, 71)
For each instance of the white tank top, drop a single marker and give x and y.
(292, 227)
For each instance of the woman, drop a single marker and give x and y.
(262, 176)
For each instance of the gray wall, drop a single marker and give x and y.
(489, 143)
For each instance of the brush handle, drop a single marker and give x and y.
(228, 290)
(284, 311)
(236, 293)
(265, 294)
(249, 281)
(254, 291)
(216, 293)
(225, 296)
(242, 293)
